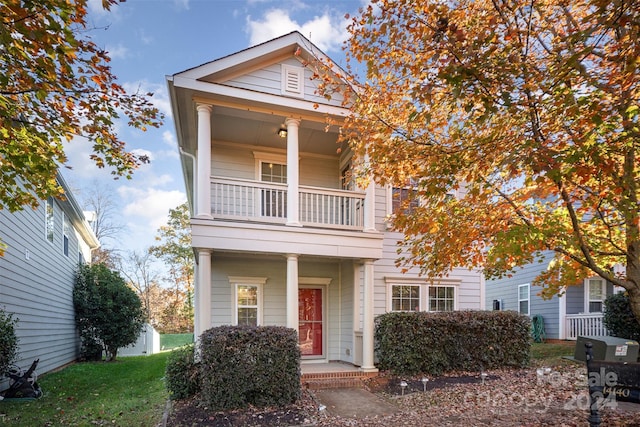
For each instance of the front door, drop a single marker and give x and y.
(310, 309)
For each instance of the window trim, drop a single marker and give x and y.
(236, 281)
(528, 300)
(587, 299)
(66, 241)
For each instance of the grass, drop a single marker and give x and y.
(171, 341)
(551, 353)
(127, 392)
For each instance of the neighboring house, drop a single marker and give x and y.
(37, 275)
(579, 311)
(281, 233)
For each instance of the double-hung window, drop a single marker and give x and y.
(405, 297)
(523, 299)
(247, 300)
(596, 293)
(274, 198)
(405, 198)
(65, 235)
(441, 298)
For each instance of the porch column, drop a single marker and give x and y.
(292, 291)
(367, 325)
(203, 177)
(292, 173)
(562, 315)
(202, 297)
(369, 203)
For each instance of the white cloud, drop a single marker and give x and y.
(169, 138)
(325, 31)
(117, 52)
(182, 4)
(150, 204)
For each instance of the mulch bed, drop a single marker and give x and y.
(517, 397)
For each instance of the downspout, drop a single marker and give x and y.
(193, 175)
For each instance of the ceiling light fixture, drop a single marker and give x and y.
(282, 132)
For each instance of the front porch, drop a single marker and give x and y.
(585, 324)
(317, 376)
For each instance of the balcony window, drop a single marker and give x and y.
(274, 201)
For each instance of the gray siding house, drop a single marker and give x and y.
(37, 273)
(578, 311)
(282, 233)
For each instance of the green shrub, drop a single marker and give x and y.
(619, 319)
(8, 341)
(244, 365)
(182, 376)
(432, 343)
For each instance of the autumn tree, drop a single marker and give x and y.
(527, 112)
(174, 248)
(56, 85)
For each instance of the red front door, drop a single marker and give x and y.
(310, 321)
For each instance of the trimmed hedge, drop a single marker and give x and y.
(409, 343)
(245, 365)
(182, 375)
(619, 319)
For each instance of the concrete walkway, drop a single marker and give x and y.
(354, 403)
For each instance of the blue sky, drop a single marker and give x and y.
(150, 39)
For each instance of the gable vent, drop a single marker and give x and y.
(292, 80)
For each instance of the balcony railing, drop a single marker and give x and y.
(588, 324)
(246, 200)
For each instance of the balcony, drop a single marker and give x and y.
(256, 201)
(585, 324)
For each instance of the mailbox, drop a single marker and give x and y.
(610, 349)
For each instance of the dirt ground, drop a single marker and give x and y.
(517, 397)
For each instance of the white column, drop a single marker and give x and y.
(292, 291)
(202, 297)
(367, 326)
(370, 203)
(293, 172)
(203, 177)
(562, 315)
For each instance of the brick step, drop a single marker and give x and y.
(328, 380)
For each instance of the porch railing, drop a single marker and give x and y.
(588, 324)
(246, 200)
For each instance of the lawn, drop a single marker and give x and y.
(552, 352)
(128, 392)
(171, 341)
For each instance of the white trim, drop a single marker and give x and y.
(424, 285)
(421, 298)
(446, 285)
(259, 283)
(528, 300)
(50, 202)
(562, 313)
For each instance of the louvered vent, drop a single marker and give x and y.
(292, 83)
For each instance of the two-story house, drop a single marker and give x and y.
(282, 234)
(37, 275)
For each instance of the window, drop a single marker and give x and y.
(405, 198)
(596, 293)
(49, 219)
(247, 300)
(523, 299)
(406, 294)
(441, 298)
(65, 235)
(405, 297)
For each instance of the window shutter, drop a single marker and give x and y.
(292, 80)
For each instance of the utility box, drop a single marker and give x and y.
(610, 349)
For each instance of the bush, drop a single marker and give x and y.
(108, 312)
(182, 376)
(619, 319)
(244, 365)
(433, 343)
(8, 341)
